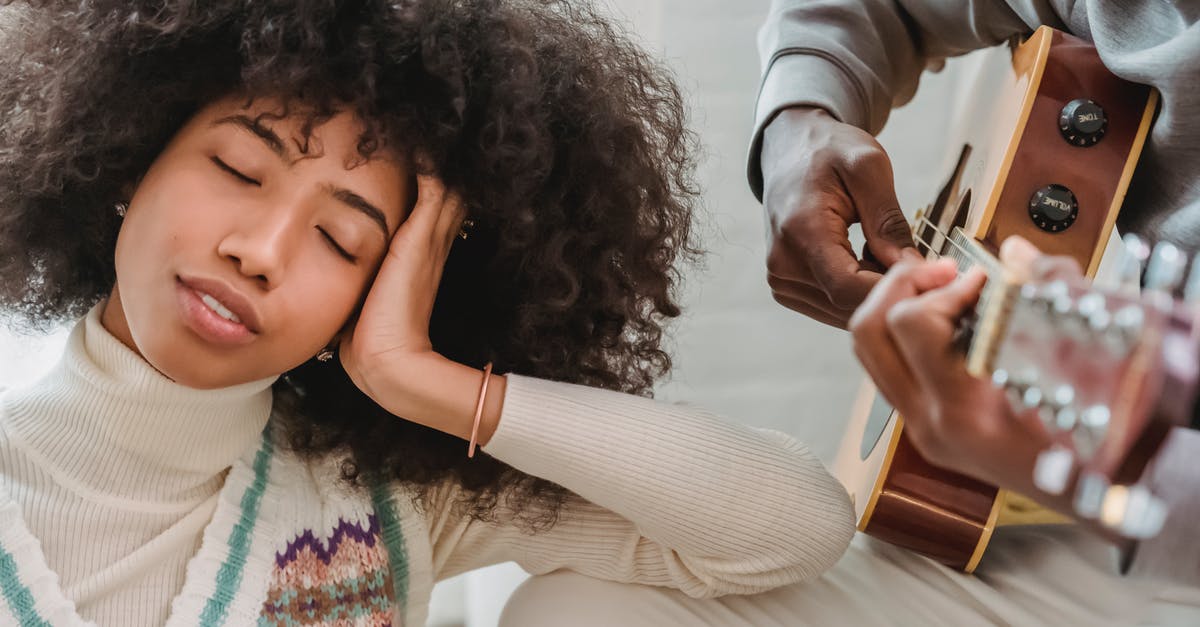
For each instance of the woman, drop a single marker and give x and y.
(293, 234)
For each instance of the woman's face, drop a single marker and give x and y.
(240, 257)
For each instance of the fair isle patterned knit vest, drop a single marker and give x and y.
(286, 547)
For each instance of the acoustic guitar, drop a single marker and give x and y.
(1048, 157)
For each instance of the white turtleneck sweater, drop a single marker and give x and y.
(126, 499)
(117, 471)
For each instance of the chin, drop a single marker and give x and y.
(193, 373)
(180, 361)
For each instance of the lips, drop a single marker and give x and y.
(228, 298)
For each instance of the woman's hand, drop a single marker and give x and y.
(392, 329)
(387, 351)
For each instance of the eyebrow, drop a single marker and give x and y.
(273, 141)
(361, 204)
(267, 135)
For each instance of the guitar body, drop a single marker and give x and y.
(1014, 149)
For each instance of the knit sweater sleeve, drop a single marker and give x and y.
(667, 495)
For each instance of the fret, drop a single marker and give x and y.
(982, 329)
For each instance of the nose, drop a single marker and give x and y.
(258, 246)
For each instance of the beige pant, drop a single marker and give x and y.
(1031, 577)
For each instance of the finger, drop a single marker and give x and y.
(874, 344)
(907, 280)
(450, 219)
(1030, 264)
(876, 350)
(808, 299)
(924, 327)
(811, 311)
(785, 262)
(836, 270)
(1018, 255)
(431, 193)
(868, 179)
(1056, 268)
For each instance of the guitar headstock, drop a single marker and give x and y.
(1108, 372)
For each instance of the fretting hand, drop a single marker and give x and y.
(904, 336)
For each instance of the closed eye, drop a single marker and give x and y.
(230, 169)
(337, 247)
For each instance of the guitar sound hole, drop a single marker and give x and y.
(877, 420)
(960, 220)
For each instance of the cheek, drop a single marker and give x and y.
(321, 300)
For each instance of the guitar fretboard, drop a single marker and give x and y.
(983, 327)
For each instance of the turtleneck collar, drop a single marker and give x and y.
(105, 420)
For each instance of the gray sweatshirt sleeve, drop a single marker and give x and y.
(860, 58)
(1174, 554)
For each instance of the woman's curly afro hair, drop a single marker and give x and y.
(567, 142)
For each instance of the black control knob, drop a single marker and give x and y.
(1053, 208)
(1082, 122)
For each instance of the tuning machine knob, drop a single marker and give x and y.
(1127, 325)
(1021, 388)
(1059, 400)
(1133, 511)
(1091, 429)
(1052, 470)
(1089, 495)
(1191, 290)
(1129, 272)
(1166, 269)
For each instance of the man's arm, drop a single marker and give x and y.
(857, 59)
(833, 71)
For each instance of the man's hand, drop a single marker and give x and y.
(904, 337)
(819, 177)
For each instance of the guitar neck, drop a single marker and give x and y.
(982, 329)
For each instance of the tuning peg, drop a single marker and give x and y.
(1048, 296)
(1020, 387)
(1129, 272)
(1126, 327)
(1053, 468)
(1090, 429)
(1066, 419)
(1191, 290)
(1129, 320)
(1056, 402)
(1093, 312)
(1032, 398)
(1133, 511)
(1089, 495)
(1091, 304)
(1165, 271)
